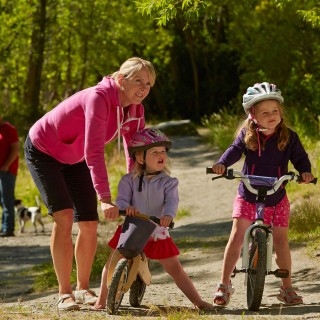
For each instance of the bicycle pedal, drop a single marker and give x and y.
(235, 271)
(281, 273)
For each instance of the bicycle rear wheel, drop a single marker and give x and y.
(119, 279)
(137, 291)
(257, 270)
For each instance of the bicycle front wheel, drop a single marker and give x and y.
(119, 279)
(257, 270)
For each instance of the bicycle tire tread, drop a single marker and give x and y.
(256, 280)
(112, 303)
(137, 291)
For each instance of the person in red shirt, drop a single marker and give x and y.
(9, 158)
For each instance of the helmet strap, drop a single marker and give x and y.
(252, 118)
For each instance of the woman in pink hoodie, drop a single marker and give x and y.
(64, 152)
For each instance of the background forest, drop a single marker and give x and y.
(206, 53)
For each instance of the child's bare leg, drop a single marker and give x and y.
(283, 260)
(174, 268)
(102, 298)
(282, 252)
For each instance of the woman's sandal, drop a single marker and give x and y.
(289, 296)
(223, 294)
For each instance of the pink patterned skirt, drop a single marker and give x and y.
(277, 216)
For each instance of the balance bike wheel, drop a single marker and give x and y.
(119, 279)
(137, 291)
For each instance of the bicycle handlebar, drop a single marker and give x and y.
(146, 217)
(273, 182)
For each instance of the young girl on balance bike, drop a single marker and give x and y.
(150, 190)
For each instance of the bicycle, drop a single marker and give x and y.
(257, 247)
(129, 266)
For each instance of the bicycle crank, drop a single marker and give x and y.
(280, 273)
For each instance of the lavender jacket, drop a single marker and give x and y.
(272, 163)
(159, 195)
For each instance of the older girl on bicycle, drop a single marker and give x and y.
(268, 145)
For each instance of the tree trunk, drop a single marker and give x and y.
(33, 81)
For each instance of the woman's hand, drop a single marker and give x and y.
(218, 168)
(165, 221)
(307, 177)
(109, 210)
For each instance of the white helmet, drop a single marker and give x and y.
(259, 92)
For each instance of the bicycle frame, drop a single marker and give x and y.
(139, 265)
(245, 248)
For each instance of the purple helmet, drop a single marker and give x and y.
(259, 92)
(146, 139)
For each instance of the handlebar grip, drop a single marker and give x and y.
(145, 217)
(209, 170)
(157, 220)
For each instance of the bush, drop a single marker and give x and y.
(222, 126)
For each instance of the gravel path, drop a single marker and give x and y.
(201, 237)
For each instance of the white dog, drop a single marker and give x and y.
(31, 213)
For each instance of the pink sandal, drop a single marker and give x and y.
(289, 296)
(223, 294)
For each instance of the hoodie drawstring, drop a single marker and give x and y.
(259, 145)
(119, 126)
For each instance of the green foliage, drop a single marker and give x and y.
(311, 15)
(203, 58)
(182, 213)
(309, 136)
(222, 126)
(164, 11)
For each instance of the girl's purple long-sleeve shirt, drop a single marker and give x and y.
(79, 127)
(159, 195)
(272, 163)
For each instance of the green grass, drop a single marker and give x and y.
(305, 222)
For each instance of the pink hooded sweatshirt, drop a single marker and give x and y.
(79, 127)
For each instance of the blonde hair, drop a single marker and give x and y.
(132, 66)
(138, 168)
(251, 137)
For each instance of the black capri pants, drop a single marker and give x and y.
(62, 186)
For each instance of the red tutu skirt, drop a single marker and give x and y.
(157, 250)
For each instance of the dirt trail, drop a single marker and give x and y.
(201, 237)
